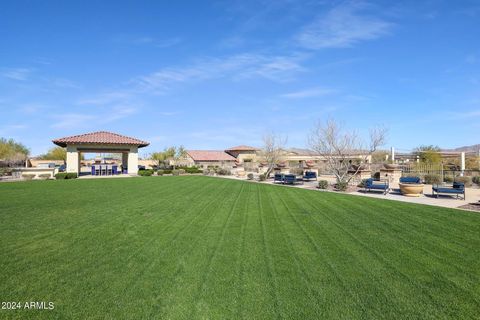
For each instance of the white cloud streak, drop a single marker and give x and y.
(307, 93)
(344, 26)
(19, 74)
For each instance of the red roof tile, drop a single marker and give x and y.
(100, 137)
(242, 148)
(209, 155)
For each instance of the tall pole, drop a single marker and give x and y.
(392, 152)
(462, 165)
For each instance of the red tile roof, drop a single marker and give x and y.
(242, 148)
(210, 155)
(100, 137)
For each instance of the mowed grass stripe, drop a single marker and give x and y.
(196, 247)
(406, 266)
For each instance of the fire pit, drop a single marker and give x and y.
(411, 189)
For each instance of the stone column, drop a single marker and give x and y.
(133, 161)
(124, 160)
(73, 160)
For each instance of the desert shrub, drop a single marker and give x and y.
(323, 184)
(71, 175)
(176, 172)
(341, 186)
(250, 176)
(28, 176)
(61, 175)
(262, 177)
(476, 180)
(432, 179)
(181, 171)
(44, 176)
(223, 172)
(465, 180)
(376, 175)
(145, 173)
(167, 171)
(362, 183)
(192, 170)
(448, 179)
(160, 172)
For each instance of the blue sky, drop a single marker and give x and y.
(222, 73)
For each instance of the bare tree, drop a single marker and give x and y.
(340, 147)
(272, 150)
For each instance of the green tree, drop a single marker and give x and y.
(170, 153)
(12, 151)
(55, 153)
(429, 154)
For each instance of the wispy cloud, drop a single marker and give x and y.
(71, 120)
(343, 27)
(20, 74)
(146, 40)
(307, 93)
(101, 117)
(236, 67)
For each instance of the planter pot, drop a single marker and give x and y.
(391, 166)
(411, 189)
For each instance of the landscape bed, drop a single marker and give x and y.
(201, 247)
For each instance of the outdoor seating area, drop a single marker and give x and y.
(457, 189)
(105, 170)
(287, 179)
(310, 175)
(371, 185)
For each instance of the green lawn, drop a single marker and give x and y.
(200, 247)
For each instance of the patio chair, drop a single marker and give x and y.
(413, 180)
(381, 186)
(96, 170)
(456, 189)
(114, 170)
(278, 178)
(309, 175)
(109, 170)
(291, 179)
(93, 170)
(103, 170)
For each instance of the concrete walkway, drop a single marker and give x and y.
(472, 194)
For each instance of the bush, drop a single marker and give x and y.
(192, 170)
(160, 172)
(145, 173)
(476, 180)
(61, 175)
(376, 175)
(66, 175)
(28, 176)
(167, 171)
(223, 172)
(323, 184)
(341, 186)
(176, 172)
(44, 176)
(432, 179)
(181, 171)
(362, 183)
(262, 177)
(448, 179)
(465, 180)
(250, 176)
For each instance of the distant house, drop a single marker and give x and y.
(206, 158)
(243, 153)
